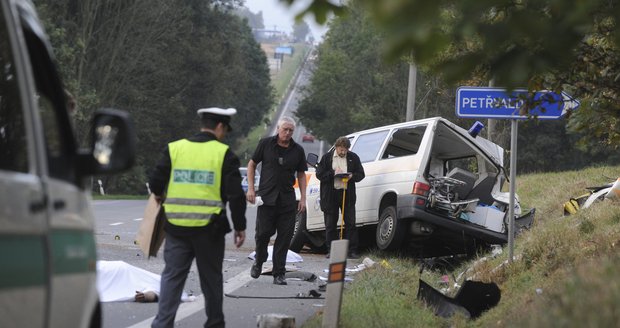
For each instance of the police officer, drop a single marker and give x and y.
(195, 178)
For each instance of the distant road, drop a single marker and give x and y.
(291, 103)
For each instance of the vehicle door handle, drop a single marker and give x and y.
(59, 204)
(38, 206)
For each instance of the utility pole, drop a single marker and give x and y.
(491, 122)
(413, 72)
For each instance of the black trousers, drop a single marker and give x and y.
(331, 216)
(269, 220)
(179, 252)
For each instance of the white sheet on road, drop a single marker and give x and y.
(118, 281)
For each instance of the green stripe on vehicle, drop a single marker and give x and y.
(21, 261)
(73, 251)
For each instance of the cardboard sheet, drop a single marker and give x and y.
(151, 234)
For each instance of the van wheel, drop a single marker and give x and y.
(299, 234)
(390, 232)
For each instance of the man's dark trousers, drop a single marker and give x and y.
(269, 219)
(179, 252)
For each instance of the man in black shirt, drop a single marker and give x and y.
(196, 177)
(282, 159)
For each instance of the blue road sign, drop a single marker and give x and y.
(482, 102)
(286, 50)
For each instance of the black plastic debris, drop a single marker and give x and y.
(472, 299)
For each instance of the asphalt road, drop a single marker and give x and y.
(117, 224)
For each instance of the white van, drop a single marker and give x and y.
(47, 245)
(428, 180)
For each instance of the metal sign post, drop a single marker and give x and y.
(513, 182)
(497, 103)
(335, 282)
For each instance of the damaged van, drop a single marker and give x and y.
(47, 242)
(429, 184)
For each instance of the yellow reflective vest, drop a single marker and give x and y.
(194, 196)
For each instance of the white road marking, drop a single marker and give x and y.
(116, 223)
(138, 219)
(189, 308)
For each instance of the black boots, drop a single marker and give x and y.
(256, 270)
(279, 280)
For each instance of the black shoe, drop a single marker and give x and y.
(327, 256)
(279, 280)
(256, 270)
(353, 255)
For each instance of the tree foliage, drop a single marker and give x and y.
(255, 20)
(161, 61)
(352, 89)
(300, 31)
(544, 44)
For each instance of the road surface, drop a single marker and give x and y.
(117, 224)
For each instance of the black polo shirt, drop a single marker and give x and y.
(279, 169)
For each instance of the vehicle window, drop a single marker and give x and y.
(468, 164)
(60, 144)
(404, 142)
(13, 144)
(367, 146)
(489, 167)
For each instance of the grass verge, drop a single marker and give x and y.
(564, 275)
(112, 197)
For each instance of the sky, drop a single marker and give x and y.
(277, 14)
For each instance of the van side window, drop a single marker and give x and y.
(367, 146)
(404, 142)
(59, 141)
(13, 143)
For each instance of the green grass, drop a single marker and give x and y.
(111, 197)
(280, 81)
(565, 273)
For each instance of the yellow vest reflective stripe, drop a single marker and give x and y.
(193, 196)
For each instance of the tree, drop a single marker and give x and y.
(160, 61)
(255, 20)
(353, 89)
(518, 43)
(300, 31)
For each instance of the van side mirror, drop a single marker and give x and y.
(312, 159)
(112, 144)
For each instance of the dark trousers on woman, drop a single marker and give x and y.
(331, 216)
(269, 220)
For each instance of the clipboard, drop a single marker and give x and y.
(151, 233)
